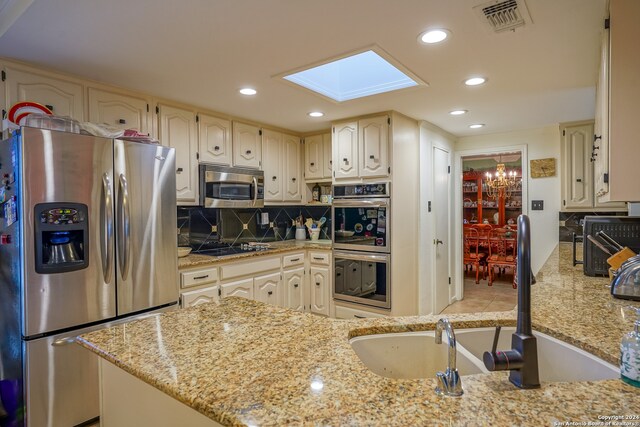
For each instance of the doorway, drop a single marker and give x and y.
(490, 195)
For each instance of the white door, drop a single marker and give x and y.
(63, 98)
(266, 288)
(327, 157)
(272, 165)
(120, 111)
(214, 140)
(577, 167)
(247, 145)
(320, 290)
(241, 288)
(373, 146)
(178, 130)
(291, 171)
(200, 296)
(345, 150)
(293, 289)
(441, 206)
(314, 157)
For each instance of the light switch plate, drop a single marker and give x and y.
(214, 228)
(245, 226)
(271, 224)
(537, 205)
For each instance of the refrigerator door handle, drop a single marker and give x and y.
(107, 228)
(124, 234)
(255, 190)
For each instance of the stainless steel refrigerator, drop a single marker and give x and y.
(87, 237)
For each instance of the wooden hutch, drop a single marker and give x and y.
(478, 206)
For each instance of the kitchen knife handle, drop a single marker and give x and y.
(599, 245)
(609, 240)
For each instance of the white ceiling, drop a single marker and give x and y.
(201, 51)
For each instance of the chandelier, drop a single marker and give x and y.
(502, 183)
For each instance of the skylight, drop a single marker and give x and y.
(363, 74)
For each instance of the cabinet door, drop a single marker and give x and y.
(326, 156)
(214, 140)
(294, 289)
(247, 146)
(368, 277)
(292, 170)
(320, 290)
(345, 150)
(267, 289)
(241, 288)
(373, 146)
(601, 125)
(63, 97)
(178, 130)
(200, 296)
(352, 278)
(314, 157)
(577, 170)
(272, 165)
(121, 111)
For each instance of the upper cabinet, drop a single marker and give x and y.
(617, 170)
(361, 149)
(247, 145)
(577, 176)
(63, 97)
(214, 139)
(118, 110)
(178, 130)
(281, 164)
(317, 157)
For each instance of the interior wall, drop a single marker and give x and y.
(431, 136)
(541, 143)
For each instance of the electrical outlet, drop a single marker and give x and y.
(271, 225)
(214, 228)
(245, 226)
(537, 205)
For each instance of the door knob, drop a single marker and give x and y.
(439, 242)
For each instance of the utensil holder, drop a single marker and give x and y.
(315, 234)
(301, 233)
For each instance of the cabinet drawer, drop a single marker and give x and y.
(249, 267)
(319, 258)
(199, 296)
(294, 259)
(352, 313)
(198, 277)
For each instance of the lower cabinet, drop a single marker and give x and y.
(200, 296)
(267, 288)
(241, 288)
(294, 297)
(319, 289)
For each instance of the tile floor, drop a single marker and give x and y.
(482, 298)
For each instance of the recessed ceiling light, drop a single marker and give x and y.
(316, 114)
(247, 91)
(474, 81)
(433, 36)
(457, 112)
(476, 126)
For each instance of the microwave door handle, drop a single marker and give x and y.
(124, 242)
(360, 203)
(107, 229)
(255, 190)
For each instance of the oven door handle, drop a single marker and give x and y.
(255, 190)
(361, 257)
(370, 203)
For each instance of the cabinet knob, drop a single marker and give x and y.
(122, 121)
(345, 160)
(330, 162)
(313, 164)
(273, 178)
(179, 170)
(355, 269)
(248, 151)
(293, 179)
(49, 106)
(270, 293)
(295, 285)
(317, 283)
(216, 148)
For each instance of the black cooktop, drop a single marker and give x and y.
(232, 250)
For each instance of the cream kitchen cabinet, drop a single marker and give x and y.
(281, 164)
(617, 171)
(200, 296)
(294, 289)
(319, 289)
(63, 97)
(214, 139)
(267, 288)
(361, 149)
(119, 110)
(578, 169)
(247, 145)
(178, 130)
(317, 157)
(240, 288)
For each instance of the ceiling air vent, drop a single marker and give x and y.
(503, 15)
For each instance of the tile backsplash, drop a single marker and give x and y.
(571, 222)
(207, 228)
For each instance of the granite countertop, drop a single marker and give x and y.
(242, 362)
(203, 260)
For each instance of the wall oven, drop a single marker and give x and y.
(362, 244)
(226, 187)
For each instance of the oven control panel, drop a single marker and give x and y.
(361, 190)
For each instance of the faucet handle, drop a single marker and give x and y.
(449, 383)
(496, 337)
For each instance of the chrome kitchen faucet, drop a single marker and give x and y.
(449, 382)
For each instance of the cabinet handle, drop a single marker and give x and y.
(122, 121)
(216, 148)
(355, 269)
(359, 317)
(295, 259)
(318, 258)
(370, 265)
(49, 106)
(273, 178)
(345, 160)
(295, 285)
(317, 283)
(330, 162)
(248, 151)
(313, 164)
(201, 277)
(270, 293)
(293, 179)
(372, 157)
(579, 180)
(338, 274)
(179, 170)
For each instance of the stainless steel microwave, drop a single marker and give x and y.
(226, 187)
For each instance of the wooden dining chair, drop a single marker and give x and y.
(502, 253)
(472, 256)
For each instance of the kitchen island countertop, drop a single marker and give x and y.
(241, 362)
